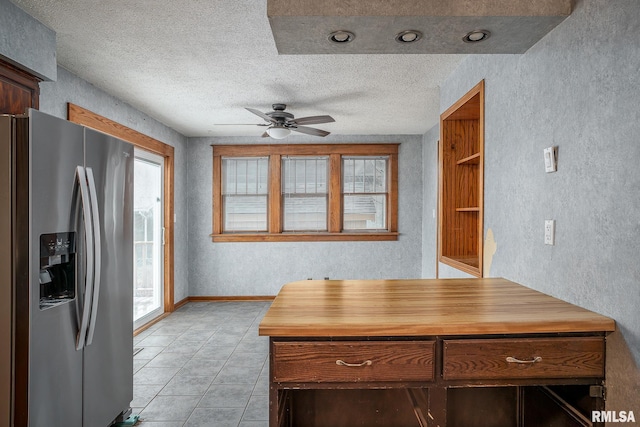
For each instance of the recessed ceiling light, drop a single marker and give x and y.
(476, 36)
(408, 36)
(341, 36)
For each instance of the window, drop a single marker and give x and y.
(304, 192)
(364, 187)
(244, 193)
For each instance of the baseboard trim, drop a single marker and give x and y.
(180, 303)
(150, 323)
(230, 298)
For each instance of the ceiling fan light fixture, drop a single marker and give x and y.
(278, 132)
(341, 36)
(408, 36)
(476, 36)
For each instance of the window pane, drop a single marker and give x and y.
(245, 213)
(365, 212)
(306, 213)
(244, 189)
(381, 176)
(304, 193)
(364, 187)
(364, 175)
(245, 175)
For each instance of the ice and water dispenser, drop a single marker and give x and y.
(57, 268)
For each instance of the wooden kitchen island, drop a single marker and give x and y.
(443, 352)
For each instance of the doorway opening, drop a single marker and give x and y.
(149, 232)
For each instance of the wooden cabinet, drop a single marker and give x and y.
(395, 382)
(353, 361)
(461, 152)
(416, 353)
(18, 90)
(573, 357)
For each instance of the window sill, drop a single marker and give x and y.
(306, 237)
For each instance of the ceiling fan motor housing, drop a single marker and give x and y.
(279, 114)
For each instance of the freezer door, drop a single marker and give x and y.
(45, 337)
(108, 361)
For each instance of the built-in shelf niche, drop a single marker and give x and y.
(461, 188)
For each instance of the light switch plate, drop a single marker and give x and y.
(551, 159)
(550, 232)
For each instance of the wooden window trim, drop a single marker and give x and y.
(275, 184)
(95, 121)
(335, 153)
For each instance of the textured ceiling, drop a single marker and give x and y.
(302, 26)
(195, 64)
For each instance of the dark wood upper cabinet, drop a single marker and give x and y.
(19, 90)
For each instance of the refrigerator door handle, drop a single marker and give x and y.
(97, 254)
(81, 179)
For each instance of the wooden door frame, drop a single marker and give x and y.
(82, 116)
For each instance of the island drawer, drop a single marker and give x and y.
(480, 359)
(353, 361)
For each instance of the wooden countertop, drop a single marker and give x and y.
(360, 308)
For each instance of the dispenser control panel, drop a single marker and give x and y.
(57, 268)
(57, 244)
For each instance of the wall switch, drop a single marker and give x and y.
(550, 232)
(551, 159)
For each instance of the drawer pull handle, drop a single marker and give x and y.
(354, 365)
(534, 360)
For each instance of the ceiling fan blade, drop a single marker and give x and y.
(260, 114)
(312, 120)
(242, 124)
(309, 131)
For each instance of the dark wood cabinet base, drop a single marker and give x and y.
(517, 406)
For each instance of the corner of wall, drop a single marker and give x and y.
(27, 43)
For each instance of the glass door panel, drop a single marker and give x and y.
(148, 239)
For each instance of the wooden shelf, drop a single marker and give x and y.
(472, 261)
(471, 160)
(461, 175)
(468, 264)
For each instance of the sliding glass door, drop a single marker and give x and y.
(148, 285)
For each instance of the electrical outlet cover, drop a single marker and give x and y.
(550, 232)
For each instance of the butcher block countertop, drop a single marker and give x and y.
(422, 307)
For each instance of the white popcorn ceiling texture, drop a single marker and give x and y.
(195, 64)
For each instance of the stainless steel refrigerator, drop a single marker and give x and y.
(66, 316)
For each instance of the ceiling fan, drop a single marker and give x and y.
(281, 123)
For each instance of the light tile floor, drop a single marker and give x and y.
(203, 365)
